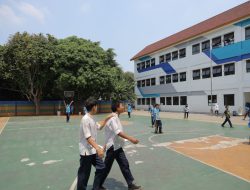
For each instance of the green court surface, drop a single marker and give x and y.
(39, 153)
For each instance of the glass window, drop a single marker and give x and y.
(138, 101)
(205, 45)
(229, 69)
(175, 77)
(152, 81)
(196, 48)
(162, 80)
(142, 83)
(216, 42)
(152, 62)
(148, 82)
(229, 39)
(143, 65)
(148, 101)
(248, 66)
(139, 83)
(229, 99)
(176, 100)
(174, 55)
(162, 59)
(196, 74)
(138, 66)
(247, 33)
(169, 100)
(147, 63)
(168, 57)
(214, 99)
(162, 100)
(168, 79)
(183, 100)
(183, 76)
(153, 101)
(206, 73)
(217, 71)
(182, 53)
(143, 101)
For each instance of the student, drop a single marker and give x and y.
(90, 152)
(129, 110)
(186, 111)
(67, 110)
(84, 110)
(216, 109)
(114, 142)
(247, 111)
(158, 123)
(227, 115)
(151, 110)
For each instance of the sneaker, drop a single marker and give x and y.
(133, 186)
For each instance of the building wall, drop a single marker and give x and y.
(197, 91)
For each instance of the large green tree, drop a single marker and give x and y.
(27, 60)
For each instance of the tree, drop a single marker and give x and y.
(27, 60)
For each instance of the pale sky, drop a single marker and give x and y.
(127, 26)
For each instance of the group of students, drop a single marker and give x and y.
(91, 153)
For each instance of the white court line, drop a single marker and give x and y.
(17, 129)
(73, 186)
(4, 126)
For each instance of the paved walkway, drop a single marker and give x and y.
(237, 120)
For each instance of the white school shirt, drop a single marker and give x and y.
(112, 129)
(88, 128)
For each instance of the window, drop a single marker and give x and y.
(229, 39)
(229, 99)
(138, 66)
(247, 33)
(182, 53)
(229, 69)
(162, 80)
(205, 45)
(168, 57)
(153, 101)
(148, 82)
(206, 73)
(148, 101)
(152, 81)
(139, 83)
(143, 65)
(143, 101)
(196, 49)
(147, 63)
(183, 76)
(248, 66)
(162, 59)
(183, 100)
(162, 100)
(169, 100)
(168, 79)
(175, 77)
(217, 71)
(176, 100)
(196, 74)
(152, 62)
(216, 42)
(142, 83)
(138, 101)
(214, 99)
(174, 55)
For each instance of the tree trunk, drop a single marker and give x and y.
(37, 105)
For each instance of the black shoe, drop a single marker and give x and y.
(231, 127)
(102, 188)
(133, 186)
(222, 125)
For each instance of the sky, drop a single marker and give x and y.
(127, 26)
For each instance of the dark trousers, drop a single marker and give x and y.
(227, 120)
(67, 117)
(152, 120)
(185, 115)
(122, 161)
(84, 171)
(129, 114)
(158, 126)
(216, 112)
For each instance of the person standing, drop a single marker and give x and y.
(129, 110)
(68, 110)
(158, 123)
(186, 111)
(227, 119)
(114, 144)
(216, 109)
(151, 111)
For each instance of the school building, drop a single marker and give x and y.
(202, 65)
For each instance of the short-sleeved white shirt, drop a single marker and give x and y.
(88, 128)
(112, 129)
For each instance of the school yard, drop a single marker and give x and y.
(42, 153)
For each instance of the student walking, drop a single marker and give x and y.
(114, 144)
(68, 110)
(90, 152)
(158, 123)
(186, 111)
(216, 109)
(129, 110)
(227, 119)
(151, 111)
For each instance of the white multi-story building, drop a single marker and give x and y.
(205, 64)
